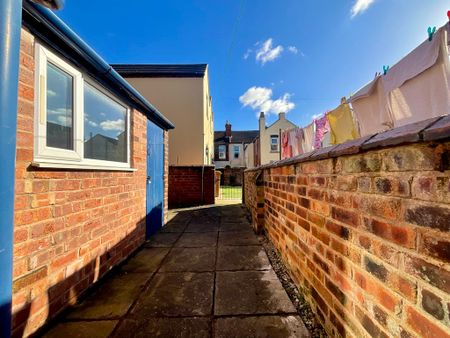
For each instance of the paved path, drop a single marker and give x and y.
(204, 275)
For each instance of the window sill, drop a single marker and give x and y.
(78, 166)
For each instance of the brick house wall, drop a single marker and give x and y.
(366, 236)
(185, 186)
(71, 226)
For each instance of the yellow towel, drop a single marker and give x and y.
(342, 125)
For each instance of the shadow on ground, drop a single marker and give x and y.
(204, 274)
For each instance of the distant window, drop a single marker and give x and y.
(222, 152)
(77, 123)
(236, 151)
(274, 143)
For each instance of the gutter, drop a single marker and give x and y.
(98, 66)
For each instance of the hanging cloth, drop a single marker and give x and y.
(418, 87)
(286, 149)
(342, 125)
(322, 127)
(296, 141)
(308, 139)
(370, 108)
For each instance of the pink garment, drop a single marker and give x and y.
(322, 127)
(296, 137)
(286, 149)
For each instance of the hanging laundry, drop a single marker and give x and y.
(417, 87)
(342, 125)
(296, 141)
(308, 138)
(286, 148)
(370, 108)
(326, 142)
(322, 127)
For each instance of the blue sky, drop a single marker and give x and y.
(299, 55)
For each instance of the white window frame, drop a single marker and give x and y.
(277, 143)
(222, 154)
(236, 147)
(49, 157)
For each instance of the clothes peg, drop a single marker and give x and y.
(448, 15)
(431, 32)
(385, 69)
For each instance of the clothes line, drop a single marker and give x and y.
(414, 89)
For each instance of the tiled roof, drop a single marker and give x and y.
(160, 70)
(239, 136)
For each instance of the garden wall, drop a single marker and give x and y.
(364, 229)
(191, 186)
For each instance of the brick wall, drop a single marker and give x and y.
(232, 176)
(71, 226)
(365, 236)
(185, 186)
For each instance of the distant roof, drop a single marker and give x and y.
(238, 136)
(161, 70)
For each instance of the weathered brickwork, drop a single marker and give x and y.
(365, 236)
(191, 186)
(71, 226)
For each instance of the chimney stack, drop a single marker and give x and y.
(262, 121)
(228, 129)
(282, 116)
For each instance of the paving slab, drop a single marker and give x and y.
(112, 299)
(202, 227)
(165, 327)
(174, 227)
(146, 260)
(176, 294)
(238, 238)
(235, 227)
(242, 258)
(200, 239)
(92, 329)
(190, 259)
(162, 240)
(250, 292)
(261, 327)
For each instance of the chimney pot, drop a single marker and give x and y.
(228, 129)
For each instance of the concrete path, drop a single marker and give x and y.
(204, 275)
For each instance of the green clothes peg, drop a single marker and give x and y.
(431, 32)
(385, 69)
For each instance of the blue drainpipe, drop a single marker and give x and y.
(10, 25)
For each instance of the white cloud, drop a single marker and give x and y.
(118, 124)
(267, 52)
(92, 123)
(292, 49)
(64, 120)
(260, 99)
(360, 6)
(51, 93)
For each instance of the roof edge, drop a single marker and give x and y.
(65, 35)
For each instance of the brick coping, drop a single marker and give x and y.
(436, 128)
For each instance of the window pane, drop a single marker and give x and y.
(59, 108)
(105, 134)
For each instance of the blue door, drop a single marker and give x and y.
(155, 178)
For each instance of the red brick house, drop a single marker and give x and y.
(87, 191)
